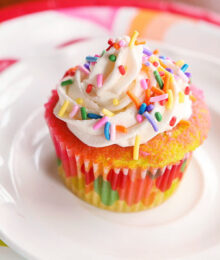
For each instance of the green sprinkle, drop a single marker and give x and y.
(158, 79)
(83, 113)
(158, 116)
(67, 82)
(112, 57)
(103, 52)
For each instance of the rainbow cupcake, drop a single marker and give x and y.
(124, 126)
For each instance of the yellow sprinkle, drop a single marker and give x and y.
(106, 112)
(170, 99)
(181, 97)
(162, 69)
(136, 147)
(63, 108)
(115, 102)
(79, 101)
(133, 39)
(180, 63)
(153, 59)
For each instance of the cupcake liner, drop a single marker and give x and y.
(115, 189)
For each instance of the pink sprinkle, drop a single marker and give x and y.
(144, 59)
(112, 132)
(83, 69)
(144, 153)
(139, 118)
(100, 123)
(99, 80)
(97, 56)
(74, 111)
(158, 98)
(122, 43)
(143, 83)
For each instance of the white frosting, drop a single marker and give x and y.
(114, 86)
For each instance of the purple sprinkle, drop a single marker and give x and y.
(150, 108)
(147, 52)
(147, 63)
(151, 120)
(86, 65)
(170, 70)
(188, 74)
(162, 57)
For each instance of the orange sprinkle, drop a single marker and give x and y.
(147, 96)
(157, 91)
(185, 123)
(116, 46)
(192, 98)
(121, 128)
(145, 68)
(156, 51)
(139, 43)
(166, 83)
(134, 98)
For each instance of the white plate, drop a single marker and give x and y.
(41, 219)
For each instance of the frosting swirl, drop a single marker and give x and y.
(104, 82)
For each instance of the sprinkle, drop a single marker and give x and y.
(86, 65)
(147, 63)
(169, 70)
(136, 147)
(134, 98)
(81, 68)
(103, 52)
(79, 101)
(167, 80)
(184, 67)
(161, 73)
(157, 91)
(121, 69)
(156, 64)
(162, 102)
(139, 118)
(139, 43)
(121, 128)
(156, 51)
(170, 99)
(116, 46)
(89, 88)
(70, 72)
(112, 57)
(151, 120)
(158, 116)
(144, 153)
(188, 74)
(147, 96)
(112, 132)
(187, 90)
(74, 111)
(192, 98)
(150, 108)
(99, 80)
(173, 121)
(63, 108)
(153, 58)
(115, 101)
(93, 116)
(83, 113)
(122, 43)
(143, 83)
(110, 42)
(158, 79)
(162, 57)
(133, 39)
(180, 63)
(91, 58)
(185, 123)
(106, 130)
(181, 97)
(106, 112)
(158, 98)
(142, 108)
(67, 82)
(100, 123)
(147, 52)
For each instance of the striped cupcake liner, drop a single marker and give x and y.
(115, 189)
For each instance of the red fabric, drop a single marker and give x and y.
(43, 5)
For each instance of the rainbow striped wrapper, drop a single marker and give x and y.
(115, 189)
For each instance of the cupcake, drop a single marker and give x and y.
(124, 126)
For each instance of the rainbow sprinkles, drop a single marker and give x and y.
(152, 100)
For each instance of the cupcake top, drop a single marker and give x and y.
(125, 96)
